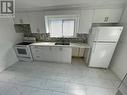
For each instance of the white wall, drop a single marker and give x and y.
(119, 61)
(57, 12)
(85, 17)
(8, 38)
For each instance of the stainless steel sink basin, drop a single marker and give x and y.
(62, 43)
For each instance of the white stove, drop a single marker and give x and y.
(23, 51)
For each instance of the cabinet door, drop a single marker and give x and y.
(21, 18)
(35, 52)
(61, 54)
(86, 18)
(81, 52)
(36, 22)
(75, 52)
(78, 52)
(41, 53)
(107, 15)
(52, 54)
(45, 53)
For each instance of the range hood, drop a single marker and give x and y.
(22, 28)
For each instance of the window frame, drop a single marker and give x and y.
(63, 17)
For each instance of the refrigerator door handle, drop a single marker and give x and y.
(96, 35)
(94, 47)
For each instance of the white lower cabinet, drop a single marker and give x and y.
(39, 53)
(75, 52)
(81, 52)
(78, 52)
(52, 54)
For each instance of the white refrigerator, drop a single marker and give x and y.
(103, 40)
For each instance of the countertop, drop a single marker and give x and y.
(76, 45)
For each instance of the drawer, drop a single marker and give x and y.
(35, 50)
(36, 54)
(39, 47)
(37, 57)
(34, 47)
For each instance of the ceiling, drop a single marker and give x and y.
(38, 4)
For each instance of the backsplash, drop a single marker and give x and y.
(45, 37)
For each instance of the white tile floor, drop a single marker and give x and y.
(44, 78)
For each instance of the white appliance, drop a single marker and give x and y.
(23, 51)
(103, 40)
(123, 87)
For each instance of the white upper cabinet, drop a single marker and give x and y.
(107, 15)
(36, 22)
(21, 18)
(86, 19)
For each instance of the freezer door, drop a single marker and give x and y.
(101, 54)
(108, 34)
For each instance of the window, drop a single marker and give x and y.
(61, 26)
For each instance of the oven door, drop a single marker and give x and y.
(23, 51)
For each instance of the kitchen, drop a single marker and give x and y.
(38, 25)
(40, 57)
